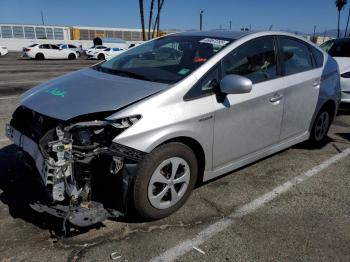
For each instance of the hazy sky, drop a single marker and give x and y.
(299, 15)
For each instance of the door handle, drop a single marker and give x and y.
(317, 84)
(277, 97)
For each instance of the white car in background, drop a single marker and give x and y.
(78, 50)
(107, 53)
(48, 51)
(339, 49)
(3, 50)
(93, 49)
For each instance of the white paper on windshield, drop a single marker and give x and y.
(214, 41)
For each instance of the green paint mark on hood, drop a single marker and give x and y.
(56, 92)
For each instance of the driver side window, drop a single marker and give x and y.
(255, 60)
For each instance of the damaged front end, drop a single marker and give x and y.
(85, 174)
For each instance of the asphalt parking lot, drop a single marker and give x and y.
(292, 206)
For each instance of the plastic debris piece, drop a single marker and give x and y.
(199, 250)
(115, 256)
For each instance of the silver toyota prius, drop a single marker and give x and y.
(135, 134)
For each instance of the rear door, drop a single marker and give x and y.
(57, 52)
(302, 79)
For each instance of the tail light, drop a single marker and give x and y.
(26, 49)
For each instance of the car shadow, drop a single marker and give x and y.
(344, 109)
(309, 146)
(303, 145)
(20, 186)
(345, 136)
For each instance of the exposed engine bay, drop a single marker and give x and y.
(85, 174)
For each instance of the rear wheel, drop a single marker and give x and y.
(164, 180)
(39, 56)
(71, 56)
(101, 57)
(320, 128)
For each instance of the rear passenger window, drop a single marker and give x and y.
(255, 60)
(45, 46)
(296, 56)
(318, 57)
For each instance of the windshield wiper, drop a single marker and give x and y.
(125, 72)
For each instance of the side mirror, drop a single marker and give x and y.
(235, 84)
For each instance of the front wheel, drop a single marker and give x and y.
(101, 57)
(164, 180)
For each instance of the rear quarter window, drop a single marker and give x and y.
(318, 56)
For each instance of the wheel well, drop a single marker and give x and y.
(197, 150)
(330, 107)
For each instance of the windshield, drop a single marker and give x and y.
(166, 60)
(327, 46)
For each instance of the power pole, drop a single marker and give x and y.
(230, 25)
(270, 28)
(314, 35)
(201, 20)
(315, 26)
(42, 17)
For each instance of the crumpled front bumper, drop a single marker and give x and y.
(29, 146)
(94, 212)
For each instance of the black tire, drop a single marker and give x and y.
(101, 57)
(145, 171)
(39, 56)
(318, 136)
(72, 56)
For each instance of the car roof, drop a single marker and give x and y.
(340, 40)
(218, 33)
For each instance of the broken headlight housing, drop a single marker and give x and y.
(126, 122)
(101, 132)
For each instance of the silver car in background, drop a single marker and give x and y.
(141, 130)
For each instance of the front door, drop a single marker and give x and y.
(246, 123)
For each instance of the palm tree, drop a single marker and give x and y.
(156, 23)
(340, 5)
(150, 19)
(142, 20)
(159, 7)
(347, 24)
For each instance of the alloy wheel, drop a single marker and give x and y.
(322, 126)
(169, 183)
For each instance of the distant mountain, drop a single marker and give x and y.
(327, 33)
(333, 33)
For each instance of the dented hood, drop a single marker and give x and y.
(87, 91)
